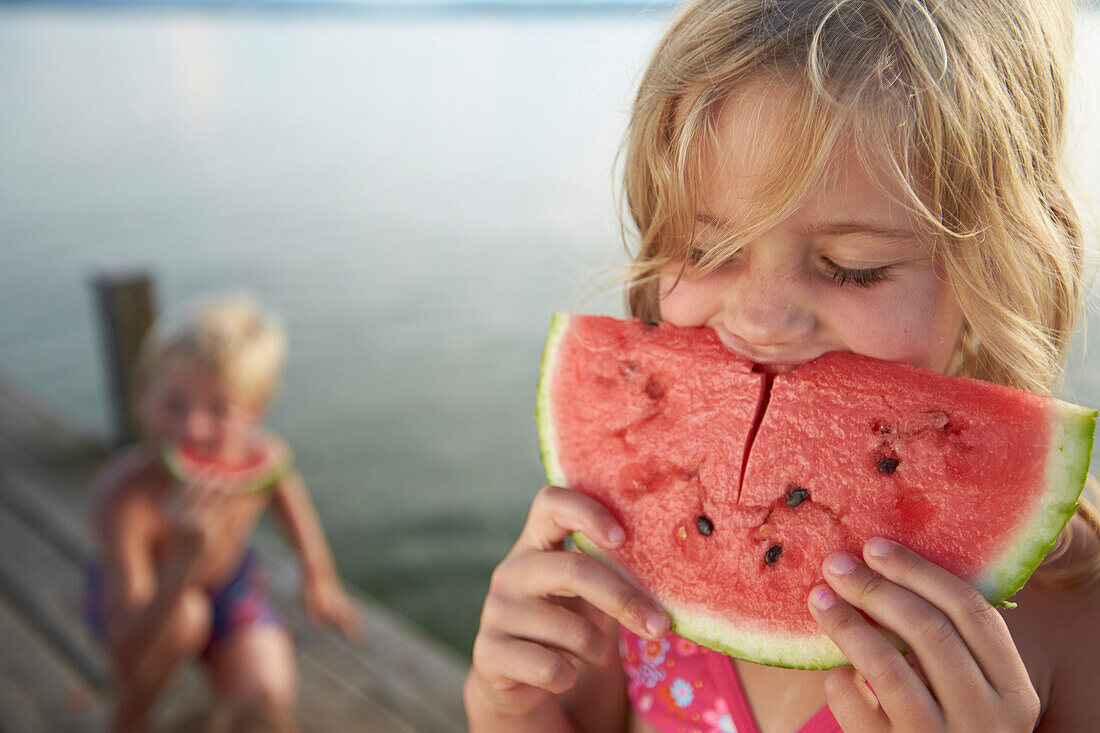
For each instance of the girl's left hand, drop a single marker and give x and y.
(326, 603)
(963, 672)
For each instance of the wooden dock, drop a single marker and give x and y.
(53, 674)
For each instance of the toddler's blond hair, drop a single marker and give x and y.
(231, 337)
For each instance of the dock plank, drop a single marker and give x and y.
(40, 691)
(400, 681)
(333, 695)
(45, 587)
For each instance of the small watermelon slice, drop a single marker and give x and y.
(733, 485)
(268, 461)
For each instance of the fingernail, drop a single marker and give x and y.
(841, 564)
(878, 547)
(822, 597)
(616, 535)
(656, 623)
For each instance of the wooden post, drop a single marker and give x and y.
(127, 308)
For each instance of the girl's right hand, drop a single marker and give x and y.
(532, 638)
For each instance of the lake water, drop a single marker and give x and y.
(415, 196)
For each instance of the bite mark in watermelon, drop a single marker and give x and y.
(267, 462)
(734, 485)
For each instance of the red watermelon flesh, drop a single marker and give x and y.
(266, 461)
(734, 485)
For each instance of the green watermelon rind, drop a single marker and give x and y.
(1067, 466)
(760, 646)
(261, 483)
(559, 325)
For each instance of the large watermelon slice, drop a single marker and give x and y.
(267, 461)
(733, 485)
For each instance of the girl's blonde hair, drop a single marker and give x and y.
(231, 337)
(962, 102)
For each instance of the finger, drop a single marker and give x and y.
(552, 625)
(900, 692)
(947, 661)
(516, 700)
(978, 623)
(853, 705)
(506, 662)
(557, 512)
(572, 574)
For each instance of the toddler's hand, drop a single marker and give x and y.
(326, 603)
(964, 672)
(194, 510)
(530, 640)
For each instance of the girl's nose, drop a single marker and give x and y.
(768, 307)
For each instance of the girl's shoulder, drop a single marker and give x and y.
(1056, 628)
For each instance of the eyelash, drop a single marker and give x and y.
(860, 277)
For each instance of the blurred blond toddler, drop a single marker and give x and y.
(175, 578)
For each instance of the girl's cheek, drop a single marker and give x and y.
(690, 302)
(919, 326)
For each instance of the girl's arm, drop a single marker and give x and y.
(322, 594)
(1058, 625)
(544, 656)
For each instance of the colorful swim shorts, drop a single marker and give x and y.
(241, 601)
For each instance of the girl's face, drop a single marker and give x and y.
(191, 408)
(849, 270)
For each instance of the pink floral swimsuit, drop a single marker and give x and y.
(676, 685)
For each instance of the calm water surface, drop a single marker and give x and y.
(414, 196)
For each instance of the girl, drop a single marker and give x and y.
(877, 176)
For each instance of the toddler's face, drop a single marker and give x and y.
(849, 270)
(191, 408)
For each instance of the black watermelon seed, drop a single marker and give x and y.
(651, 324)
(797, 495)
(705, 525)
(653, 389)
(887, 465)
(773, 554)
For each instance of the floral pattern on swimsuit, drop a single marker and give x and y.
(678, 686)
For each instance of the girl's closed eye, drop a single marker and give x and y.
(863, 277)
(696, 254)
